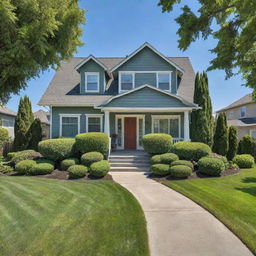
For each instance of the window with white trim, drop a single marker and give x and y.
(70, 125)
(7, 123)
(126, 81)
(94, 123)
(243, 111)
(92, 82)
(164, 81)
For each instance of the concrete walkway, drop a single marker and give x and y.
(176, 225)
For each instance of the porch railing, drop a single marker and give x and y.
(175, 140)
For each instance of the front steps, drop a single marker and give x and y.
(129, 161)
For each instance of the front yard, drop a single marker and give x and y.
(231, 199)
(52, 217)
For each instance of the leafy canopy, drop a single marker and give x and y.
(234, 28)
(35, 35)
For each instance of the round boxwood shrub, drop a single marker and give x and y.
(211, 166)
(244, 161)
(41, 169)
(10, 155)
(24, 155)
(191, 150)
(99, 169)
(24, 166)
(65, 164)
(155, 159)
(222, 158)
(160, 169)
(168, 158)
(92, 142)
(57, 149)
(183, 162)
(91, 157)
(44, 161)
(77, 171)
(180, 171)
(157, 143)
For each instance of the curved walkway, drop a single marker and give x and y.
(176, 225)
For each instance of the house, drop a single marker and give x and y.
(7, 117)
(145, 92)
(44, 117)
(242, 114)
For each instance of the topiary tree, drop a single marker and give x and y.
(4, 137)
(246, 145)
(232, 142)
(220, 139)
(35, 134)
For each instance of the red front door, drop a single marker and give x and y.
(130, 132)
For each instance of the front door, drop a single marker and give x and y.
(130, 133)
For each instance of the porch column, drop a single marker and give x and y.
(106, 123)
(186, 126)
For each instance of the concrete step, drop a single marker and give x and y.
(141, 165)
(128, 157)
(128, 169)
(128, 160)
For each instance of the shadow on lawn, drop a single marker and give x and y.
(249, 180)
(249, 190)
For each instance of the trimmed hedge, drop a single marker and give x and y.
(92, 142)
(57, 149)
(180, 171)
(44, 161)
(155, 159)
(41, 169)
(244, 161)
(191, 150)
(65, 164)
(160, 169)
(183, 162)
(211, 166)
(168, 158)
(77, 171)
(24, 166)
(11, 155)
(89, 158)
(23, 155)
(222, 158)
(157, 143)
(99, 169)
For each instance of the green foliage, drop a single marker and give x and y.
(180, 171)
(35, 34)
(155, 159)
(35, 132)
(57, 149)
(211, 166)
(42, 160)
(4, 168)
(160, 169)
(220, 139)
(232, 142)
(247, 145)
(24, 166)
(99, 169)
(157, 143)
(10, 155)
(40, 169)
(77, 171)
(222, 158)
(168, 158)
(244, 161)
(89, 158)
(183, 162)
(4, 137)
(191, 150)
(65, 164)
(24, 155)
(92, 142)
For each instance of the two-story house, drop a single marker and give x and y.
(7, 120)
(145, 92)
(242, 114)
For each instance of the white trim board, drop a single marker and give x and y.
(117, 109)
(90, 57)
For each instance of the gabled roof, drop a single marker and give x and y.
(7, 111)
(42, 115)
(91, 57)
(141, 48)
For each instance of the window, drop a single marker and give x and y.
(7, 123)
(126, 81)
(69, 125)
(164, 81)
(243, 111)
(94, 123)
(253, 133)
(92, 82)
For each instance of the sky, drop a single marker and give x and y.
(115, 28)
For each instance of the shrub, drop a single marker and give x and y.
(155, 159)
(4, 137)
(65, 164)
(44, 161)
(92, 142)
(183, 162)
(191, 150)
(24, 155)
(180, 171)
(11, 155)
(168, 158)
(77, 171)
(24, 166)
(246, 145)
(157, 143)
(222, 158)
(41, 169)
(244, 160)
(57, 149)
(160, 169)
(232, 142)
(91, 157)
(5, 168)
(100, 169)
(211, 166)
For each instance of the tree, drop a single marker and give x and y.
(201, 120)
(220, 139)
(232, 142)
(4, 137)
(35, 35)
(231, 22)
(247, 145)
(36, 134)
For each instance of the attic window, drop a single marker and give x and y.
(164, 81)
(243, 111)
(92, 82)
(126, 81)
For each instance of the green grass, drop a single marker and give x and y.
(44, 217)
(232, 199)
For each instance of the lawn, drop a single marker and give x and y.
(45, 217)
(232, 199)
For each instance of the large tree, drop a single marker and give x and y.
(231, 22)
(35, 35)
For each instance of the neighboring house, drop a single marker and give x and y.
(7, 118)
(146, 92)
(45, 123)
(242, 114)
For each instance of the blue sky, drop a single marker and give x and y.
(116, 28)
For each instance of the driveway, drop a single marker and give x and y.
(176, 225)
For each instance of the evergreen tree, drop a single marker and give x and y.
(232, 142)
(246, 145)
(36, 134)
(220, 139)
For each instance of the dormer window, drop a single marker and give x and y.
(243, 111)
(164, 81)
(92, 82)
(126, 81)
